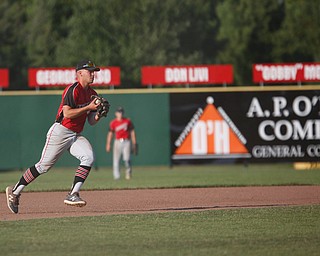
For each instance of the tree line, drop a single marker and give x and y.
(132, 34)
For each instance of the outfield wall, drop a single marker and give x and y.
(27, 115)
(26, 118)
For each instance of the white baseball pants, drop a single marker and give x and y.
(60, 139)
(121, 147)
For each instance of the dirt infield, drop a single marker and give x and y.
(50, 204)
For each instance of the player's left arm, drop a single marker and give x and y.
(93, 118)
(101, 111)
(103, 105)
(133, 137)
(134, 142)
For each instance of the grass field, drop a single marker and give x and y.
(265, 231)
(179, 176)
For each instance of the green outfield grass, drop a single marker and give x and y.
(266, 231)
(178, 176)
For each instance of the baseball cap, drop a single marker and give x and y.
(120, 110)
(88, 65)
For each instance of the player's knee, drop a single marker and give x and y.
(42, 168)
(87, 160)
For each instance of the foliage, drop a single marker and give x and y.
(299, 35)
(12, 44)
(130, 34)
(247, 33)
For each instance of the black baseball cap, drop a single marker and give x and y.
(88, 65)
(120, 110)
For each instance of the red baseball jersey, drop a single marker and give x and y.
(121, 128)
(75, 96)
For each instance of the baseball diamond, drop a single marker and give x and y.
(35, 204)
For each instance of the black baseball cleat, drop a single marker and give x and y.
(12, 200)
(74, 200)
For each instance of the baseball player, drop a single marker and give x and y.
(124, 132)
(79, 103)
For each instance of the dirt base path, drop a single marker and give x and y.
(50, 204)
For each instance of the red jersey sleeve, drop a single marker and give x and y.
(111, 126)
(130, 125)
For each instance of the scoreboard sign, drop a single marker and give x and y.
(172, 75)
(55, 77)
(276, 126)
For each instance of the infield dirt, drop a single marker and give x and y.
(35, 205)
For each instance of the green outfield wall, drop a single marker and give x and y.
(27, 115)
(26, 118)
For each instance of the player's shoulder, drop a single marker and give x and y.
(113, 121)
(70, 88)
(128, 119)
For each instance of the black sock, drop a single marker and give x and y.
(80, 176)
(29, 175)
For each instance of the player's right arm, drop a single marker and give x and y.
(71, 113)
(108, 142)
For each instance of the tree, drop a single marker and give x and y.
(298, 39)
(131, 34)
(246, 28)
(45, 28)
(12, 47)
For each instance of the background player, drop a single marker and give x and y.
(124, 132)
(77, 105)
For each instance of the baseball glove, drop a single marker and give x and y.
(104, 105)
